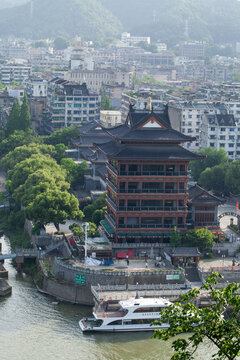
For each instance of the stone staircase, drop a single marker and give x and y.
(192, 275)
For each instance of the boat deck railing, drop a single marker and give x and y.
(100, 312)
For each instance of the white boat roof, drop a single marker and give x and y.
(158, 302)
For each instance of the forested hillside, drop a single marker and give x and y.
(51, 18)
(214, 20)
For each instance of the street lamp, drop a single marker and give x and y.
(86, 225)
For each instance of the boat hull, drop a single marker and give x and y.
(113, 329)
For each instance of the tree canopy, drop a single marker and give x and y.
(201, 238)
(213, 158)
(219, 323)
(54, 206)
(18, 138)
(63, 136)
(13, 122)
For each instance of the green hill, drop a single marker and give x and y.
(51, 18)
(216, 20)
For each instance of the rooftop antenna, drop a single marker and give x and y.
(154, 16)
(31, 8)
(186, 32)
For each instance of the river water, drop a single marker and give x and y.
(35, 327)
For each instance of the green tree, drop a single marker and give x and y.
(88, 212)
(213, 157)
(201, 238)
(77, 230)
(63, 136)
(175, 238)
(74, 171)
(218, 323)
(39, 182)
(106, 103)
(25, 117)
(19, 174)
(23, 152)
(54, 206)
(13, 122)
(18, 138)
(60, 152)
(60, 43)
(232, 177)
(214, 178)
(97, 216)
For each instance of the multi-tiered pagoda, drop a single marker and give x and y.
(147, 178)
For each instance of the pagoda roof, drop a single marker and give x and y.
(89, 140)
(168, 135)
(201, 196)
(137, 117)
(91, 127)
(117, 150)
(147, 126)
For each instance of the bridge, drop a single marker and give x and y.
(25, 253)
(30, 253)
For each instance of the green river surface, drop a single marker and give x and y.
(34, 326)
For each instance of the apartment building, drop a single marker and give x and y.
(186, 117)
(127, 39)
(221, 131)
(95, 79)
(71, 104)
(14, 72)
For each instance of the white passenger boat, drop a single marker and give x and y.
(134, 314)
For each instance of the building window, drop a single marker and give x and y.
(230, 153)
(231, 137)
(190, 116)
(222, 145)
(222, 137)
(231, 145)
(212, 128)
(232, 129)
(223, 129)
(212, 144)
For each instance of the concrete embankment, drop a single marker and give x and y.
(64, 286)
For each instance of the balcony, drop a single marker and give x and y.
(150, 226)
(153, 173)
(111, 202)
(152, 208)
(152, 191)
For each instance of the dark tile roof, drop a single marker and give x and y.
(89, 127)
(185, 251)
(89, 140)
(139, 117)
(195, 193)
(225, 120)
(117, 130)
(146, 151)
(157, 134)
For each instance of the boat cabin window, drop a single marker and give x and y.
(142, 321)
(116, 322)
(148, 309)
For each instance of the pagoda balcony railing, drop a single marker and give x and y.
(112, 221)
(111, 202)
(150, 226)
(152, 208)
(146, 191)
(152, 191)
(153, 173)
(112, 168)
